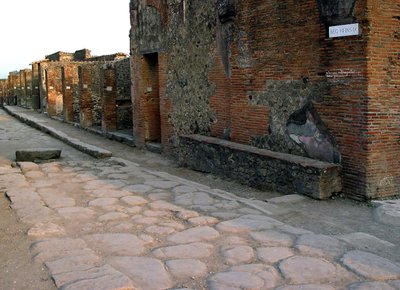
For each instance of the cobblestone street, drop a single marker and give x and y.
(118, 224)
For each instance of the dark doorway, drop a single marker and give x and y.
(151, 97)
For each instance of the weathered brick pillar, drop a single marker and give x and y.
(68, 83)
(363, 105)
(22, 87)
(54, 91)
(109, 98)
(85, 86)
(28, 88)
(35, 86)
(19, 89)
(383, 119)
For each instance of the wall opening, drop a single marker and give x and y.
(151, 97)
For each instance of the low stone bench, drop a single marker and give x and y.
(37, 154)
(260, 168)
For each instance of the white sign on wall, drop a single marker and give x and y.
(109, 89)
(344, 30)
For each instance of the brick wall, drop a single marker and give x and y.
(42, 75)
(28, 87)
(266, 73)
(383, 115)
(3, 91)
(85, 96)
(109, 98)
(35, 86)
(70, 87)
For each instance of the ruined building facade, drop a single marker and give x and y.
(72, 87)
(267, 74)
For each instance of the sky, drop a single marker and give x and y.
(32, 29)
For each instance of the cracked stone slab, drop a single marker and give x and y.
(99, 278)
(134, 200)
(159, 230)
(103, 201)
(58, 202)
(198, 198)
(34, 174)
(186, 268)
(248, 223)
(320, 245)
(139, 219)
(110, 193)
(272, 238)
(41, 230)
(28, 166)
(187, 251)
(313, 270)
(203, 221)
(162, 184)
(111, 216)
(197, 234)
(79, 262)
(363, 241)
(241, 254)
(370, 286)
(145, 273)
(57, 245)
(76, 213)
(116, 244)
(254, 276)
(371, 266)
(164, 205)
(271, 255)
(187, 214)
(138, 188)
(183, 189)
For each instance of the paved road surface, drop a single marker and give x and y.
(119, 224)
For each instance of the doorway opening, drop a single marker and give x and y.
(151, 98)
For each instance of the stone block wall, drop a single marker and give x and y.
(225, 69)
(261, 168)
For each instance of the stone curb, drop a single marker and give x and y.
(76, 143)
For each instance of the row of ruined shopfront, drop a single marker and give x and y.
(246, 89)
(77, 88)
